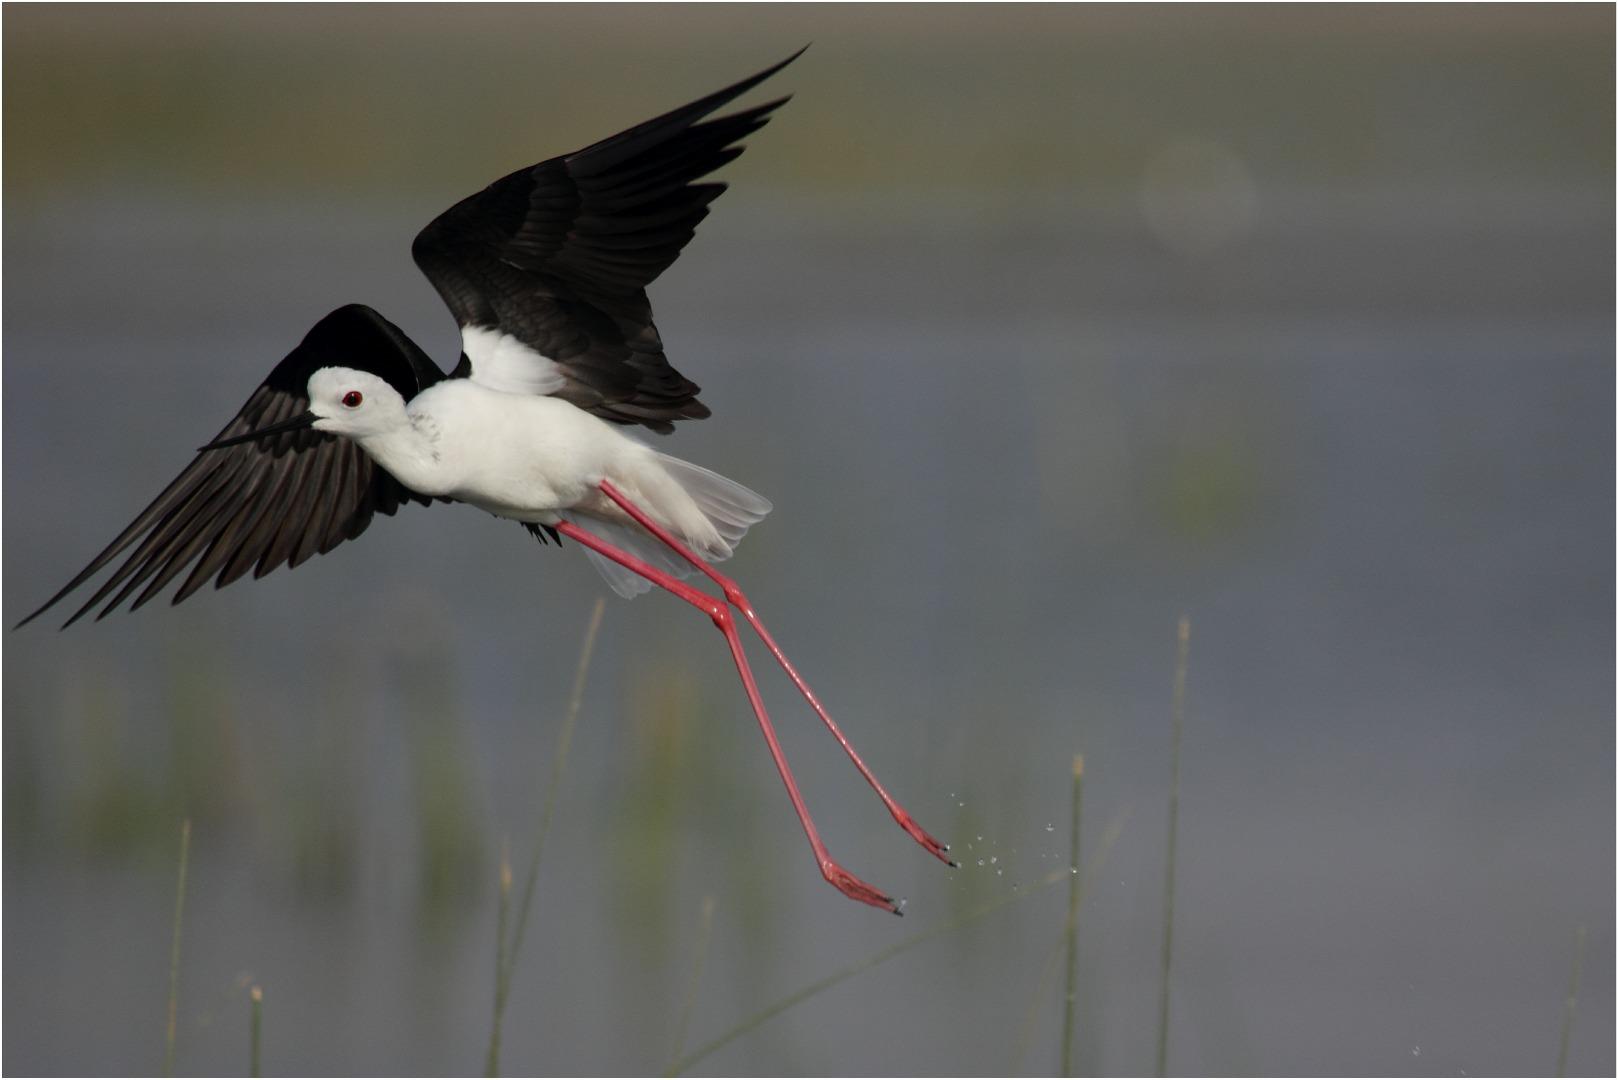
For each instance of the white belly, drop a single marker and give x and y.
(538, 459)
(519, 455)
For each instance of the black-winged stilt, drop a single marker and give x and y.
(545, 270)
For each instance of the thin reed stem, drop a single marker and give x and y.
(1071, 928)
(1182, 654)
(882, 956)
(564, 741)
(506, 956)
(1025, 1031)
(257, 1032)
(1572, 1004)
(491, 1059)
(174, 950)
(704, 936)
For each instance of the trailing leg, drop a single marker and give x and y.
(719, 614)
(738, 599)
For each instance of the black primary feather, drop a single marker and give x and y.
(279, 499)
(558, 255)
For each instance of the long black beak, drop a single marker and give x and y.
(297, 423)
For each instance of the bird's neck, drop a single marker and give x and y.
(410, 452)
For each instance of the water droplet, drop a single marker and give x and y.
(1415, 1051)
(999, 873)
(980, 862)
(960, 804)
(993, 859)
(1049, 827)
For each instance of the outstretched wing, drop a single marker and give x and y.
(546, 269)
(275, 500)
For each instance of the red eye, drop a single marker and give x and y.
(352, 399)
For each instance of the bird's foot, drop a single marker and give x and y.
(855, 889)
(936, 848)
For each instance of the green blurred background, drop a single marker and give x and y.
(1041, 325)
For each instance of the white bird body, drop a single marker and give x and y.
(515, 455)
(534, 460)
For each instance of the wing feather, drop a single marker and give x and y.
(557, 257)
(276, 500)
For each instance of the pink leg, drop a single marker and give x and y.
(738, 599)
(716, 610)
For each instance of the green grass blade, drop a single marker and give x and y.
(174, 950)
(256, 1037)
(704, 936)
(506, 955)
(1071, 928)
(1181, 656)
(1065, 949)
(502, 960)
(1025, 1031)
(564, 741)
(1572, 1004)
(882, 956)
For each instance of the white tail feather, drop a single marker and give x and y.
(639, 543)
(729, 508)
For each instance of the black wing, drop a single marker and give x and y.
(279, 499)
(557, 256)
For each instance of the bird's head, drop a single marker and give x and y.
(354, 403)
(343, 401)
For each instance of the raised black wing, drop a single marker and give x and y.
(546, 269)
(279, 499)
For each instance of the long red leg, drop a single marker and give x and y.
(738, 599)
(716, 610)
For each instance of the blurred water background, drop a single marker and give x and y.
(1041, 327)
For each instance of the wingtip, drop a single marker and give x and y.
(43, 608)
(779, 64)
(722, 97)
(772, 69)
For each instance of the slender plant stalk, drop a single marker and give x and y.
(564, 742)
(1180, 659)
(257, 1029)
(506, 956)
(704, 936)
(491, 1061)
(1572, 1003)
(1071, 929)
(881, 956)
(1064, 950)
(174, 950)
(1042, 988)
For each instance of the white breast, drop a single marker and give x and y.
(516, 455)
(538, 459)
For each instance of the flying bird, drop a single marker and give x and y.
(545, 271)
